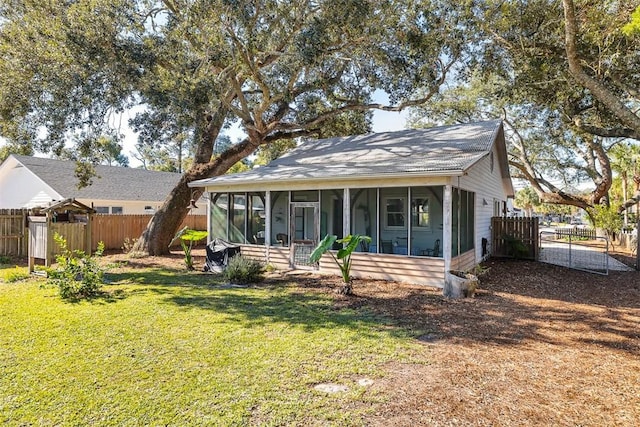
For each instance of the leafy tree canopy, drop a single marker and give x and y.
(563, 77)
(282, 69)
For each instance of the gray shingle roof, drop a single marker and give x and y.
(112, 183)
(443, 150)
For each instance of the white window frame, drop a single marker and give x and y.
(386, 213)
(417, 227)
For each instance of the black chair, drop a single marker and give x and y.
(283, 239)
(433, 252)
(386, 246)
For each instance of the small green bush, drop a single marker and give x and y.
(243, 270)
(77, 274)
(5, 260)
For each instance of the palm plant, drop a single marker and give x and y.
(342, 257)
(191, 236)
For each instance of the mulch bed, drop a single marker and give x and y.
(539, 345)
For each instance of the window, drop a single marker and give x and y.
(237, 215)
(256, 218)
(395, 212)
(463, 226)
(364, 216)
(420, 212)
(116, 210)
(496, 208)
(102, 209)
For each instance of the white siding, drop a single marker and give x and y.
(20, 188)
(487, 186)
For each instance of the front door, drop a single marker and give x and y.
(304, 229)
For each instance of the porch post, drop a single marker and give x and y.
(267, 223)
(446, 226)
(346, 213)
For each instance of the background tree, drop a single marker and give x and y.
(7, 149)
(283, 70)
(563, 77)
(625, 160)
(527, 199)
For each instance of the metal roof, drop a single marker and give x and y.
(443, 150)
(112, 182)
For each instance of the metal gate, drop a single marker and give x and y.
(590, 255)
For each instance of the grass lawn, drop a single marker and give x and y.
(171, 348)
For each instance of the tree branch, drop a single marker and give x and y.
(604, 95)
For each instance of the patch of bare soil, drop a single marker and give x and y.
(539, 345)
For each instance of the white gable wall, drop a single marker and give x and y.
(487, 186)
(19, 187)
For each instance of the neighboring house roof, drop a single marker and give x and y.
(112, 182)
(443, 150)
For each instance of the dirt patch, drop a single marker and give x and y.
(539, 345)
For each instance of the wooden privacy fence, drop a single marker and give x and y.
(110, 229)
(113, 230)
(13, 234)
(515, 237)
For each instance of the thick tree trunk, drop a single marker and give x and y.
(165, 222)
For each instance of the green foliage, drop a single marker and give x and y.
(4, 259)
(242, 270)
(187, 238)
(10, 275)
(343, 257)
(515, 247)
(555, 127)
(608, 218)
(190, 70)
(527, 199)
(633, 26)
(77, 275)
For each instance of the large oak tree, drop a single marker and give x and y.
(283, 69)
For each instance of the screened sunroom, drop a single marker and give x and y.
(425, 197)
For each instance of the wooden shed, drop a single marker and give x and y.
(69, 218)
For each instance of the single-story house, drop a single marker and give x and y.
(27, 182)
(424, 196)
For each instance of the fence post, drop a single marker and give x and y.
(638, 244)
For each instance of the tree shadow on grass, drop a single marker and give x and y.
(270, 301)
(497, 317)
(263, 305)
(514, 306)
(164, 277)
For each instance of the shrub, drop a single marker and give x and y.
(243, 270)
(77, 275)
(5, 259)
(515, 247)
